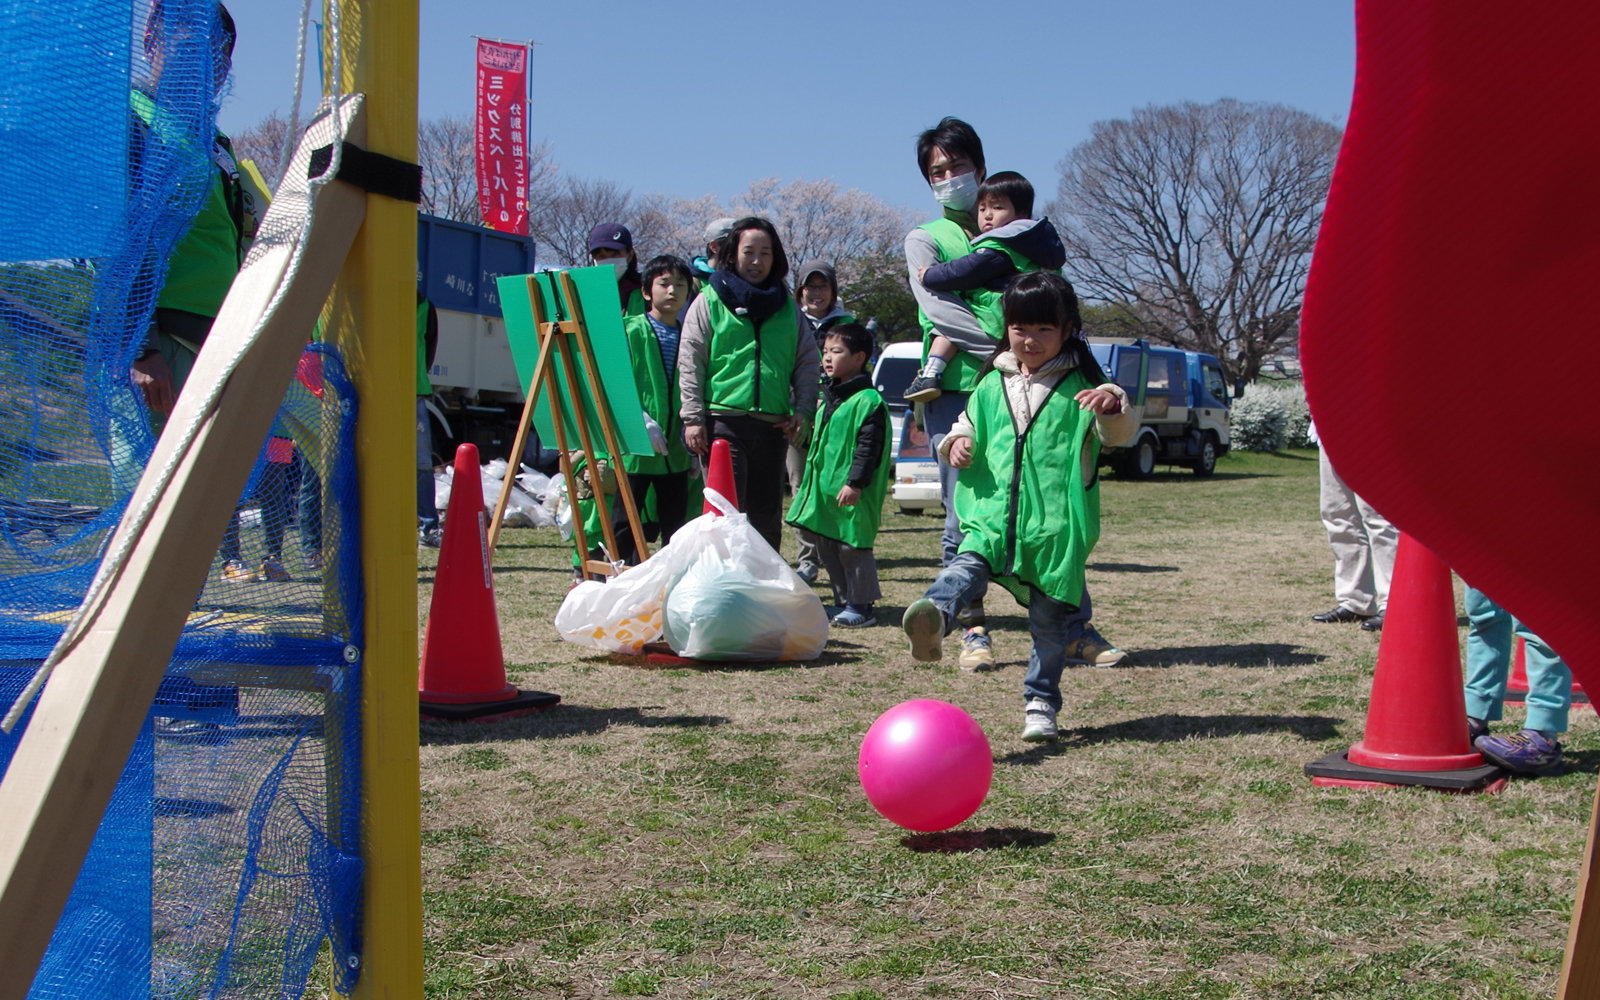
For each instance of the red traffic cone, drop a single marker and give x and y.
(1517, 685)
(1417, 716)
(463, 673)
(719, 476)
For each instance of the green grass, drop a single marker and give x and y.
(701, 833)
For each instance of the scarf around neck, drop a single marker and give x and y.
(750, 301)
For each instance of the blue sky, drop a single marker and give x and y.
(696, 98)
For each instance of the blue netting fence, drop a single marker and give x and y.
(229, 860)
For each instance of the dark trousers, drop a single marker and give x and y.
(759, 451)
(672, 509)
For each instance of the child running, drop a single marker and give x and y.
(1012, 243)
(1028, 496)
(840, 497)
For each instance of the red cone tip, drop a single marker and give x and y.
(719, 476)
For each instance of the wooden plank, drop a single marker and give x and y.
(87, 717)
(521, 439)
(1580, 970)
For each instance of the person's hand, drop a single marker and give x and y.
(920, 272)
(961, 452)
(848, 496)
(152, 377)
(1099, 401)
(696, 439)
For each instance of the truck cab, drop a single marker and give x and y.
(1182, 402)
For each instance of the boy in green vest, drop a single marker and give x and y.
(1012, 242)
(1028, 495)
(840, 498)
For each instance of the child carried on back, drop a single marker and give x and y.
(1011, 243)
(1028, 495)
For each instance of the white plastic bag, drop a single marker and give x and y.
(621, 615)
(731, 597)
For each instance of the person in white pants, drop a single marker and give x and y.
(1363, 543)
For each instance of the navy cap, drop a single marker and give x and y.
(610, 235)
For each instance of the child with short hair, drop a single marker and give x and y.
(839, 501)
(1028, 495)
(1011, 243)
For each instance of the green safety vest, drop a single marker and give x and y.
(204, 263)
(1022, 502)
(961, 374)
(833, 445)
(986, 302)
(424, 387)
(636, 305)
(736, 351)
(658, 396)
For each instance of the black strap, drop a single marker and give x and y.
(371, 172)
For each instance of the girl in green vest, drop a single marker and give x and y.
(1028, 495)
(1012, 242)
(746, 374)
(839, 500)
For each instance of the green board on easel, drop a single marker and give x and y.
(602, 317)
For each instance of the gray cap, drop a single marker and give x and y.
(821, 267)
(717, 229)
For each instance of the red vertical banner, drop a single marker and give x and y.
(502, 136)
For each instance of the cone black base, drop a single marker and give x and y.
(525, 703)
(1472, 779)
(1518, 697)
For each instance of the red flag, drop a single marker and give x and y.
(502, 136)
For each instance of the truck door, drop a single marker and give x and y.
(1166, 389)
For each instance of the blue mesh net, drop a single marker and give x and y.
(229, 860)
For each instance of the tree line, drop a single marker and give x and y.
(1187, 224)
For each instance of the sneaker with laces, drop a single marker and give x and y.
(1096, 652)
(1038, 721)
(855, 616)
(235, 571)
(976, 651)
(272, 571)
(1527, 752)
(807, 572)
(923, 389)
(924, 625)
(431, 537)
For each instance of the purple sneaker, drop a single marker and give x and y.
(1526, 752)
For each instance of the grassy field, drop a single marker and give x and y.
(701, 833)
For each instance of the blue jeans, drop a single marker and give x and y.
(1054, 625)
(1489, 663)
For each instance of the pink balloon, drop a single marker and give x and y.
(925, 765)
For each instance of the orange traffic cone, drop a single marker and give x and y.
(719, 476)
(1417, 717)
(463, 673)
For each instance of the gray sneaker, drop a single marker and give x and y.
(924, 625)
(1038, 721)
(807, 572)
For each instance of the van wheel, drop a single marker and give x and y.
(1140, 461)
(1208, 455)
(910, 511)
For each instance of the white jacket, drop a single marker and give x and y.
(1026, 393)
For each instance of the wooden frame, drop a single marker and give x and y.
(561, 338)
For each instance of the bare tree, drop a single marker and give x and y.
(447, 151)
(672, 225)
(572, 207)
(1196, 222)
(263, 142)
(817, 220)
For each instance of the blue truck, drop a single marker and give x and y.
(1182, 401)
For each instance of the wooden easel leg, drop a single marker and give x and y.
(520, 440)
(567, 479)
(1580, 971)
(570, 370)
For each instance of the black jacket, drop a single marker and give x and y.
(874, 433)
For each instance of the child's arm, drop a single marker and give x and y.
(956, 448)
(964, 274)
(1114, 419)
(693, 363)
(870, 446)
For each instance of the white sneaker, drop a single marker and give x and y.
(1039, 721)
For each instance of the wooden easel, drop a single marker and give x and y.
(563, 337)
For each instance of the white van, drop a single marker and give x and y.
(915, 486)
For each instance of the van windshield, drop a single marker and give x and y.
(891, 378)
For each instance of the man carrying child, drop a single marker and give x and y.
(839, 500)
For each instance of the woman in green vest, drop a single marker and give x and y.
(1028, 495)
(746, 374)
(611, 243)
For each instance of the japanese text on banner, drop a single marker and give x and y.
(501, 135)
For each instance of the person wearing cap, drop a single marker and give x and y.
(716, 232)
(611, 243)
(748, 369)
(818, 292)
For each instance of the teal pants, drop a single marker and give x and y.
(1489, 643)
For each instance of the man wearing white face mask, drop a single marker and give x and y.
(611, 243)
(950, 156)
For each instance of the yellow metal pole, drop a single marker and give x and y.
(375, 326)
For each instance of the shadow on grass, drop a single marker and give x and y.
(1185, 476)
(968, 841)
(562, 720)
(1176, 729)
(828, 657)
(1247, 654)
(1105, 567)
(1577, 762)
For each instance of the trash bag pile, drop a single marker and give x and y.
(534, 499)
